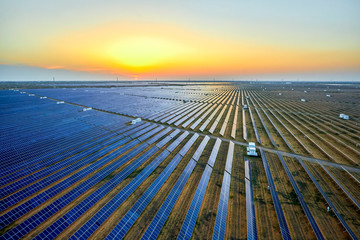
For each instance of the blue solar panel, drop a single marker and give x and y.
(206, 123)
(189, 113)
(168, 138)
(254, 124)
(131, 216)
(302, 201)
(62, 201)
(177, 141)
(22, 194)
(277, 130)
(229, 158)
(224, 126)
(111, 206)
(217, 120)
(333, 209)
(94, 146)
(266, 129)
(201, 148)
(214, 152)
(158, 136)
(206, 106)
(159, 220)
(188, 145)
(277, 205)
(244, 125)
(191, 216)
(250, 209)
(150, 133)
(220, 222)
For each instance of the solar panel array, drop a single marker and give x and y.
(253, 123)
(161, 216)
(327, 199)
(304, 206)
(250, 209)
(279, 212)
(97, 195)
(191, 216)
(78, 163)
(128, 220)
(220, 222)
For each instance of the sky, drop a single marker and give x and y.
(198, 39)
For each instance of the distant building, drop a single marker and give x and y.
(251, 149)
(135, 121)
(328, 95)
(344, 116)
(303, 100)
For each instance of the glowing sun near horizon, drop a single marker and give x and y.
(142, 51)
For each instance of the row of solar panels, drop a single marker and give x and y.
(61, 202)
(177, 117)
(313, 224)
(337, 132)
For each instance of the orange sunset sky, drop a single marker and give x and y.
(181, 39)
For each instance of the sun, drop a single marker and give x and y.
(143, 51)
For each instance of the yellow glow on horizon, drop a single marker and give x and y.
(150, 50)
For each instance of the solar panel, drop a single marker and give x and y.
(177, 141)
(250, 209)
(91, 225)
(254, 126)
(213, 127)
(277, 205)
(204, 107)
(220, 222)
(201, 148)
(277, 130)
(52, 160)
(266, 129)
(24, 193)
(233, 129)
(214, 152)
(188, 145)
(340, 185)
(303, 204)
(202, 128)
(229, 158)
(333, 208)
(188, 114)
(158, 136)
(244, 125)
(129, 219)
(194, 209)
(202, 117)
(150, 133)
(167, 138)
(223, 127)
(29, 224)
